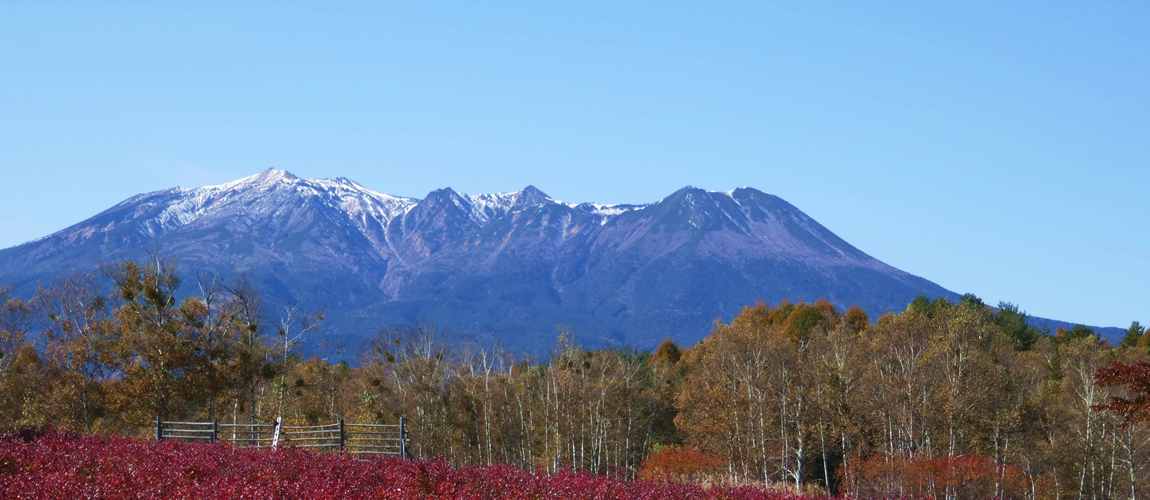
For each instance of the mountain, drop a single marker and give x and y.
(514, 266)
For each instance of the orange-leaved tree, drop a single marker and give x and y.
(680, 463)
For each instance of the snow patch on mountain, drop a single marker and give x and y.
(370, 211)
(268, 192)
(484, 207)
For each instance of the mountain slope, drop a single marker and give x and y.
(512, 265)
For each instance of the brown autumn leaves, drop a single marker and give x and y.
(81, 357)
(789, 395)
(797, 392)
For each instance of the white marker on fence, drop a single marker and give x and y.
(276, 434)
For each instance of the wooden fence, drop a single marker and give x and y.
(360, 439)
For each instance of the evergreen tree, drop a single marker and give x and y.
(1013, 324)
(1133, 335)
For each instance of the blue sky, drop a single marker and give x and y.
(993, 148)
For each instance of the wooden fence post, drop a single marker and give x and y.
(215, 430)
(341, 434)
(159, 429)
(403, 438)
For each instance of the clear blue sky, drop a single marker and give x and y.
(992, 148)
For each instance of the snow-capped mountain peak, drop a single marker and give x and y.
(266, 178)
(273, 191)
(280, 195)
(516, 262)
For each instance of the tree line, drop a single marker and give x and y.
(944, 399)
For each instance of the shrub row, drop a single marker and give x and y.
(59, 465)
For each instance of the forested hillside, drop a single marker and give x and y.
(944, 399)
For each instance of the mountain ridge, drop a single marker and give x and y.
(513, 265)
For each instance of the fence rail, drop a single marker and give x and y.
(359, 439)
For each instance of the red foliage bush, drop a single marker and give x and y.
(56, 465)
(965, 476)
(1135, 408)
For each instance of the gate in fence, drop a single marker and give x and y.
(360, 439)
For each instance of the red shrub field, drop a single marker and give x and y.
(58, 465)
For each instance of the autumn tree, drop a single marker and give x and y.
(15, 321)
(161, 341)
(80, 340)
(1134, 407)
(1075, 333)
(250, 366)
(748, 390)
(292, 325)
(666, 380)
(316, 393)
(20, 366)
(410, 364)
(218, 334)
(1090, 445)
